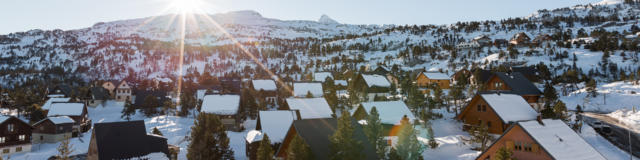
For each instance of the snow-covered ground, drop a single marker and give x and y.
(602, 145)
(618, 95)
(630, 118)
(447, 132)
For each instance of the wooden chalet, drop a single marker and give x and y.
(126, 140)
(76, 111)
(516, 83)
(425, 79)
(266, 88)
(374, 85)
(520, 39)
(496, 111)
(226, 107)
(53, 129)
(15, 135)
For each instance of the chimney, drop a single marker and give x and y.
(539, 119)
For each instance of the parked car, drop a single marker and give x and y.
(597, 125)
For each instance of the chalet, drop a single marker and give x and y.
(531, 73)
(520, 39)
(272, 123)
(310, 108)
(468, 45)
(126, 140)
(96, 96)
(62, 90)
(141, 95)
(315, 133)
(76, 111)
(482, 40)
(425, 79)
(392, 113)
(500, 43)
(230, 85)
(302, 89)
(224, 106)
(496, 111)
(15, 136)
(541, 39)
(386, 72)
(322, 76)
(47, 105)
(515, 83)
(266, 87)
(202, 90)
(542, 140)
(375, 86)
(53, 129)
(120, 91)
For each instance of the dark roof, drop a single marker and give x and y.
(61, 89)
(124, 140)
(230, 85)
(98, 93)
(316, 133)
(142, 94)
(518, 83)
(483, 75)
(530, 73)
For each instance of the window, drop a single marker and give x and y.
(518, 146)
(5, 150)
(41, 138)
(22, 137)
(118, 97)
(527, 147)
(484, 108)
(18, 149)
(10, 127)
(498, 85)
(2, 139)
(489, 124)
(479, 108)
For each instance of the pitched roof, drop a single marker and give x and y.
(47, 105)
(376, 80)
(436, 75)
(301, 89)
(340, 82)
(518, 83)
(310, 107)
(221, 104)
(276, 123)
(142, 94)
(99, 93)
(483, 75)
(123, 140)
(264, 84)
(316, 133)
(57, 120)
(254, 136)
(391, 112)
(321, 76)
(509, 107)
(66, 109)
(560, 141)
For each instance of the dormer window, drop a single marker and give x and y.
(497, 85)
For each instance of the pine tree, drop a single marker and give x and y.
(375, 132)
(591, 88)
(479, 134)
(560, 111)
(156, 131)
(65, 149)
(432, 141)
(128, 110)
(504, 154)
(208, 139)
(550, 94)
(393, 155)
(298, 149)
(149, 106)
(265, 151)
(408, 147)
(343, 146)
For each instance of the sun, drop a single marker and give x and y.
(186, 6)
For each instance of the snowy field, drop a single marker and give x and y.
(619, 95)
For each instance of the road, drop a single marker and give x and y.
(619, 134)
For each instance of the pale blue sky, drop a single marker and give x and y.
(23, 15)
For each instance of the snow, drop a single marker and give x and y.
(3, 118)
(310, 108)
(327, 20)
(221, 104)
(436, 75)
(340, 82)
(608, 2)
(617, 95)
(61, 119)
(391, 112)
(153, 156)
(301, 89)
(628, 117)
(376, 80)
(321, 76)
(265, 84)
(254, 136)
(276, 124)
(601, 144)
(510, 107)
(47, 104)
(560, 141)
(66, 109)
(448, 133)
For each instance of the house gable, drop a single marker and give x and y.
(478, 112)
(516, 136)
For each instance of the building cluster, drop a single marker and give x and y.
(518, 40)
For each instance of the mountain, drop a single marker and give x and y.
(327, 20)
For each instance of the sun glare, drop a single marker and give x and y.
(186, 6)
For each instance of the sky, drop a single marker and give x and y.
(24, 15)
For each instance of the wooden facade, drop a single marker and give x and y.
(48, 132)
(423, 81)
(478, 112)
(15, 136)
(496, 84)
(520, 143)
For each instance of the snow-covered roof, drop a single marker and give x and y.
(55, 95)
(264, 84)
(391, 112)
(61, 120)
(221, 104)
(154, 156)
(340, 82)
(47, 104)
(436, 75)
(321, 76)
(376, 80)
(301, 89)
(276, 124)
(254, 136)
(4, 118)
(510, 107)
(66, 109)
(560, 141)
(310, 108)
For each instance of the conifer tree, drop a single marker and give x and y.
(479, 134)
(591, 88)
(156, 131)
(374, 131)
(65, 149)
(550, 93)
(408, 147)
(265, 151)
(208, 139)
(128, 110)
(393, 155)
(560, 111)
(298, 149)
(504, 154)
(343, 146)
